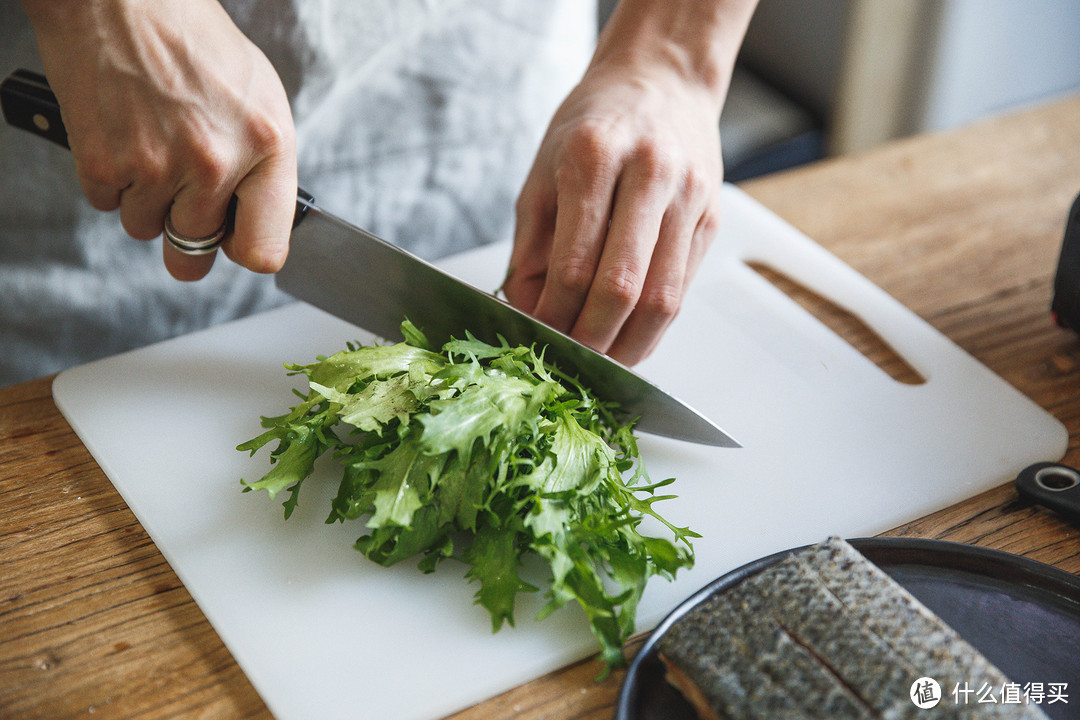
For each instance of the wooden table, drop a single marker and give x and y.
(962, 227)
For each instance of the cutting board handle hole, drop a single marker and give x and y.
(1057, 478)
(845, 324)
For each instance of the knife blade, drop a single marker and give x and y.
(376, 285)
(373, 284)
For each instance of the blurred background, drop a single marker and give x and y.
(818, 78)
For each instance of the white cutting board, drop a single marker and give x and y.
(832, 446)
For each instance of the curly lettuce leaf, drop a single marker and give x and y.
(487, 454)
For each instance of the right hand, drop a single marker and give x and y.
(171, 109)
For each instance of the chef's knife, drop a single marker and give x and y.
(364, 280)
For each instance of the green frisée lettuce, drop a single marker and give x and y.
(485, 454)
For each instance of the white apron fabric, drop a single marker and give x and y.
(416, 119)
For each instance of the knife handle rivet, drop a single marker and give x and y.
(41, 122)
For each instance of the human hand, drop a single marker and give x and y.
(619, 208)
(622, 201)
(170, 109)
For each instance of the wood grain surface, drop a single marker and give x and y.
(962, 227)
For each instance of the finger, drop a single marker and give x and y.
(182, 266)
(143, 207)
(636, 219)
(264, 215)
(200, 211)
(661, 296)
(704, 234)
(101, 197)
(101, 178)
(534, 230)
(196, 212)
(584, 203)
(146, 198)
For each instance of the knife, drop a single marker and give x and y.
(376, 285)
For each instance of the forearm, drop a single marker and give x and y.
(697, 39)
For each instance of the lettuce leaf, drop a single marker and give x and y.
(487, 454)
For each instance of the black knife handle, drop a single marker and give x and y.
(28, 103)
(1051, 485)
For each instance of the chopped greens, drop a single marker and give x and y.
(485, 454)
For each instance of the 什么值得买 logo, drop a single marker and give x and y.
(925, 693)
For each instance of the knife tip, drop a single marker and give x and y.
(725, 441)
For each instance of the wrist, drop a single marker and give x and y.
(696, 41)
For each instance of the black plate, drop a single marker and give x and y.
(1022, 615)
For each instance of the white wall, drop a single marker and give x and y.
(992, 55)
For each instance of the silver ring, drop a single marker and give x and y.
(193, 246)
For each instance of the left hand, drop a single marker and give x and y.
(619, 208)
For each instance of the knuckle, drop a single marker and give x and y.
(591, 140)
(696, 181)
(662, 302)
(153, 169)
(268, 135)
(621, 286)
(98, 167)
(211, 165)
(709, 225)
(573, 275)
(140, 164)
(590, 151)
(655, 163)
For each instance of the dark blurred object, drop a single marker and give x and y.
(1051, 485)
(1066, 302)
(762, 129)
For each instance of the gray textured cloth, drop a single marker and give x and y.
(417, 119)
